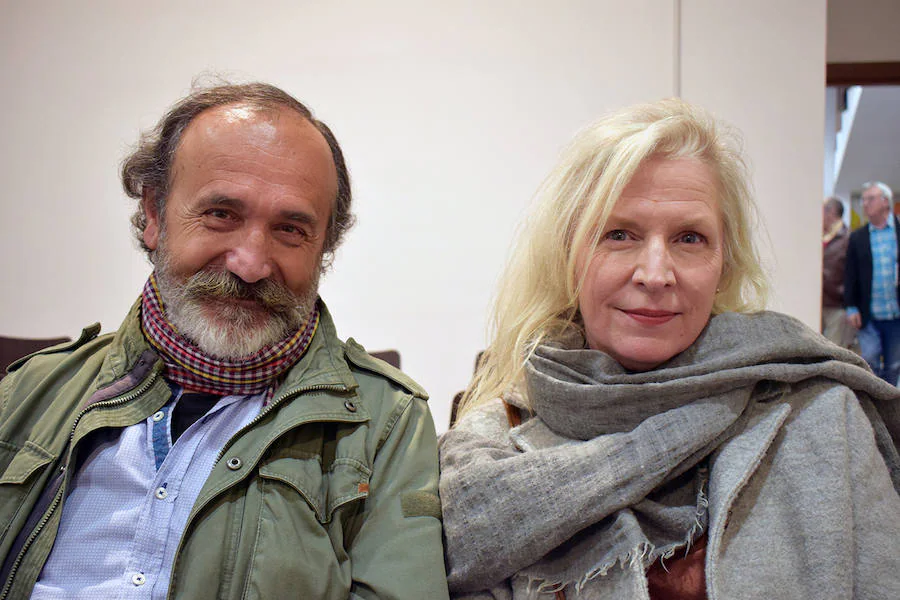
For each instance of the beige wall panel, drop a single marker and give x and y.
(760, 65)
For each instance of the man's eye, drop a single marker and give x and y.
(218, 213)
(292, 230)
(617, 235)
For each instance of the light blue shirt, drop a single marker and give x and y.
(884, 272)
(129, 503)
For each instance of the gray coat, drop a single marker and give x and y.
(801, 502)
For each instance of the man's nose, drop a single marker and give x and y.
(654, 268)
(249, 259)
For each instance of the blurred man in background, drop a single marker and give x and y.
(871, 283)
(835, 238)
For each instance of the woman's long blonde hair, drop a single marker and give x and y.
(537, 297)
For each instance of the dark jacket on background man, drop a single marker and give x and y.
(858, 271)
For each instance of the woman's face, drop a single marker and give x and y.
(652, 279)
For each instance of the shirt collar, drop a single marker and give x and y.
(888, 225)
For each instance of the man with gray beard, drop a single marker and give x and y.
(224, 443)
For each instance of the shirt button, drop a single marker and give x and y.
(158, 415)
(161, 493)
(349, 406)
(138, 579)
(234, 463)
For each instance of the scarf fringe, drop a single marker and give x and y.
(636, 559)
(696, 529)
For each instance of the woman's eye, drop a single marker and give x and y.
(617, 235)
(692, 237)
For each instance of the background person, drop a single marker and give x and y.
(662, 415)
(835, 237)
(871, 283)
(224, 443)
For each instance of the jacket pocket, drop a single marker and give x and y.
(298, 538)
(20, 463)
(344, 480)
(20, 469)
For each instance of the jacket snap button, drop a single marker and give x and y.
(349, 406)
(234, 463)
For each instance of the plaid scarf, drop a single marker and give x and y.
(190, 368)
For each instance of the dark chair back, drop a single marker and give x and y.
(12, 349)
(454, 407)
(391, 357)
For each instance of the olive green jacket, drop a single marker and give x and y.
(331, 492)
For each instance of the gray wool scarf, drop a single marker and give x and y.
(638, 444)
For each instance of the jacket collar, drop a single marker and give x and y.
(324, 363)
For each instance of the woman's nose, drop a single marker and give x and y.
(249, 259)
(654, 268)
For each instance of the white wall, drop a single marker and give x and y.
(832, 123)
(449, 114)
(872, 139)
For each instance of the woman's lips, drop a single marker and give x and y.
(650, 317)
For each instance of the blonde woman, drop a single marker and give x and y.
(639, 426)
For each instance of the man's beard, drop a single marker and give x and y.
(236, 330)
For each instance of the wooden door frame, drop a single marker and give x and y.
(863, 73)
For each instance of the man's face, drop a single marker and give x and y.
(875, 205)
(238, 251)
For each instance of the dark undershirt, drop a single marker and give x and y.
(189, 408)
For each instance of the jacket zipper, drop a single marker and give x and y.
(143, 387)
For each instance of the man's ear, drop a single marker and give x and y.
(151, 215)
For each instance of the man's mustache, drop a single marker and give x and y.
(224, 284)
